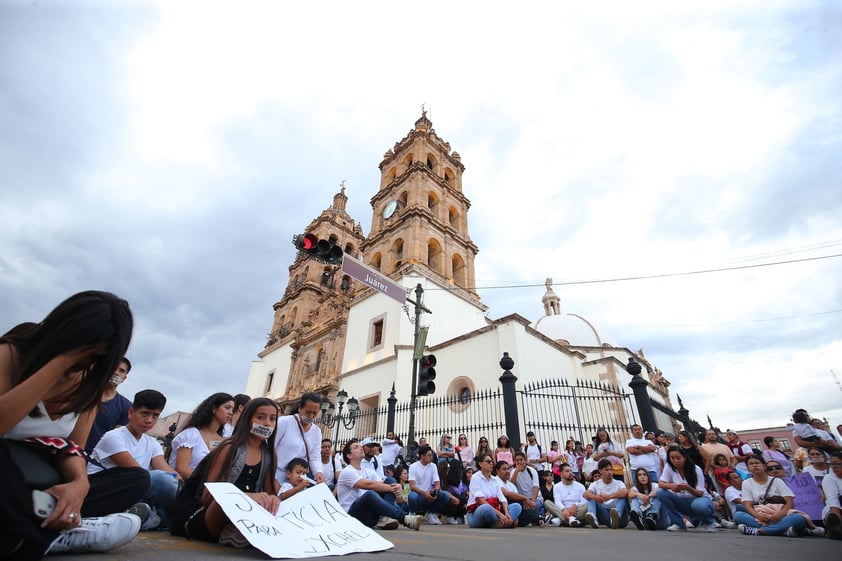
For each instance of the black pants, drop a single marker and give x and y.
(22, 538)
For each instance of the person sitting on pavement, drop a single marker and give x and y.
(773, 452)
(52, 375)
(372, 502)
(645, 510)
(681, 491)
(247, 460)
(641, 452)
(546, 489)
(240, 401)
(130, 446)
(527, 516)
(426, 494)
(371, 462)
(113, 408)
(201, 434)
(832, 489)
(487, 504)
(767, 502)
(607, 499)
(569, 505)
(818, 467)
(297, 479)
(527, 480)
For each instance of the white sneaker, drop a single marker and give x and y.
(728, 524)
(451, 520)
(555, 521)
(591, 519)
(674, 528)
(412, 521)
(574, 522)
(815, 531)
(710, 528)
(432, 518)
(97, 534)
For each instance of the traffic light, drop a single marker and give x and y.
(426, 375)
(325, 251)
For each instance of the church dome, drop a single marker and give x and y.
(565, 329)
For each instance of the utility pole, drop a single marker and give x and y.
(412, 446)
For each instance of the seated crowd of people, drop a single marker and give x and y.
(58, 387)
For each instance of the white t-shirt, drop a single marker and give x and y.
(526, 481)
(485, 488)
(289, 445)
(733, 495)
(671, 476)
(189, 438)
(600, 487)
(832, 487)
(391, 449)
(533, 456)
(646, 461)
(424, 476)
(142, 449)
(754, 491)
(32, 427)
(346, 490)
(330, 468)
(374, 467)
(565, 496)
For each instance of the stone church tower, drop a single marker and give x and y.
(311, 317)
(420, 214)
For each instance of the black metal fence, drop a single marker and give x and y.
(557, 410)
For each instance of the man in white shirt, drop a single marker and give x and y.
(568, 504)
(391, 446)
(641, 452)
(534, 453)
(370, 502)
(607, 499)
(370, 460)
(297, 437)
(425, 487)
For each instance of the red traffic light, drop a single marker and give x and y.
(306, 242)
(325, 251)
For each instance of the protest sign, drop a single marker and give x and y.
(808, 496)
(308, 524)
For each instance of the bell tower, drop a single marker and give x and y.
(420, 216)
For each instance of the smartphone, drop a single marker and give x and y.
(43, 504)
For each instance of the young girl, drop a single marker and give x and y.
(52, 375)
(202, 433)
(504, 451)
(721, 469)
(248, 461)
(297, 479)
(645, 506)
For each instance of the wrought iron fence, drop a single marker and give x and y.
(557, 410)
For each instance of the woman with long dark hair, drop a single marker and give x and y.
(504, 450)
(247, 460)
(202, 433)
(767, 502)
(52, 376)
(773, 452)
(691, 448)
(681, 490)
(604, 448)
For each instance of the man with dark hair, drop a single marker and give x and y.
(607, 499)
(370, 502)
(526, 480)
(425, 493)
(113, 409)
(298, 437)
(130, 446)
(528, 514)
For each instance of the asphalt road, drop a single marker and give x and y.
(522, 544)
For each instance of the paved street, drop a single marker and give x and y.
(524, 544)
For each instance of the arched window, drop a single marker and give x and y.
(448, 176)
(458, 270)
(404, 197)
(431, 162)
(432, 202)
(434, 255)
(453, 217)
(375, 261)
(349, 249)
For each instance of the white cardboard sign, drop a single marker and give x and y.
(308, 524)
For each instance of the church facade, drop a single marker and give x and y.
(331, 332)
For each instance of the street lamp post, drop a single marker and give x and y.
(332, 418)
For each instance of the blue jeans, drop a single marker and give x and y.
(370, 506)
(418, 503)
(661, 522)
(485, 515)
(601, 512)
(698, 508)
(776, 529)
(163, 488)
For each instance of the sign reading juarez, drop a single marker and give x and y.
(372, 278)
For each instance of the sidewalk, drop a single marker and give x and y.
(523, 544)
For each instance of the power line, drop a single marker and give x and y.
(663, 275)
(737, 321)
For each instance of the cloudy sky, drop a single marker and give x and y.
(167, 151)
